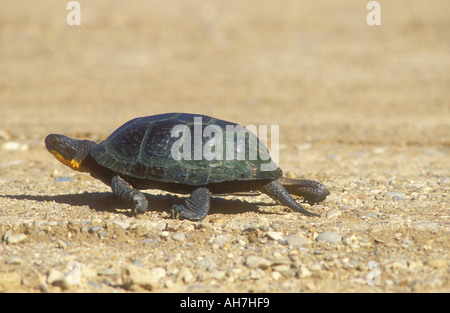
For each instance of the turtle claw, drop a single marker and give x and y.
(140, 206)
(125, 191)
(311, 191)
(179, 211)
(277, 192)
(195, 207)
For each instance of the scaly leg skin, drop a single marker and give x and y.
(125, 191)
(195, 207)
(277, 192)
(312, 192)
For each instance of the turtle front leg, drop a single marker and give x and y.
(312, 192)
(195, 207)
(125, 191)
(277, 192)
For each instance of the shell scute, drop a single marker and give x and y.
(142, 148)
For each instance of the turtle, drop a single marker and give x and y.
(159, 152)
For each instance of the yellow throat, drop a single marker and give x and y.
(73, 164)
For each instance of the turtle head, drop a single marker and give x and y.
(70, 152)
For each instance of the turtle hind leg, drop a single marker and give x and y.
(277, 192)
(312, 192)
(195, 207)
(125, 191)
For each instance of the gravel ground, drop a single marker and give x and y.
(362, 109)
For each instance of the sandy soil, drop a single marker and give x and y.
(363, 109)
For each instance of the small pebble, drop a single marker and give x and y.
(333, 213)
(218, 220)
(218, 274)
(378, 240)
(61, 244)
(206, 263)
(329, 237)
(315, 267)
(284, 270)
(406, 242)
(425, 225)
(56, 278)
(94, 229)
(296, 241)
(142, 228)
(279, 260)
(158, 272)
(138, 263)
(220, 241)
(433, 152)
(397, 196)
(437, 263)
(304, 272)
(414, 265)
(379, 150)
(150, 241)
(123, 225)
(107, 272)
(14, 260)
(397, 265)
(178, 236)
(370, 215)
(164, 234)
(63, 179)
(185, 275)
(275, 275)
(253, 261)
(135, 276)
(12, 239)
(274, 235)
(94, 284)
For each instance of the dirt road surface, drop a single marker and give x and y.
(363, 109)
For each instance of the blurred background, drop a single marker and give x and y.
(316, 68)
(363, 109)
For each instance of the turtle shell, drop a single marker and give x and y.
(185, 149)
